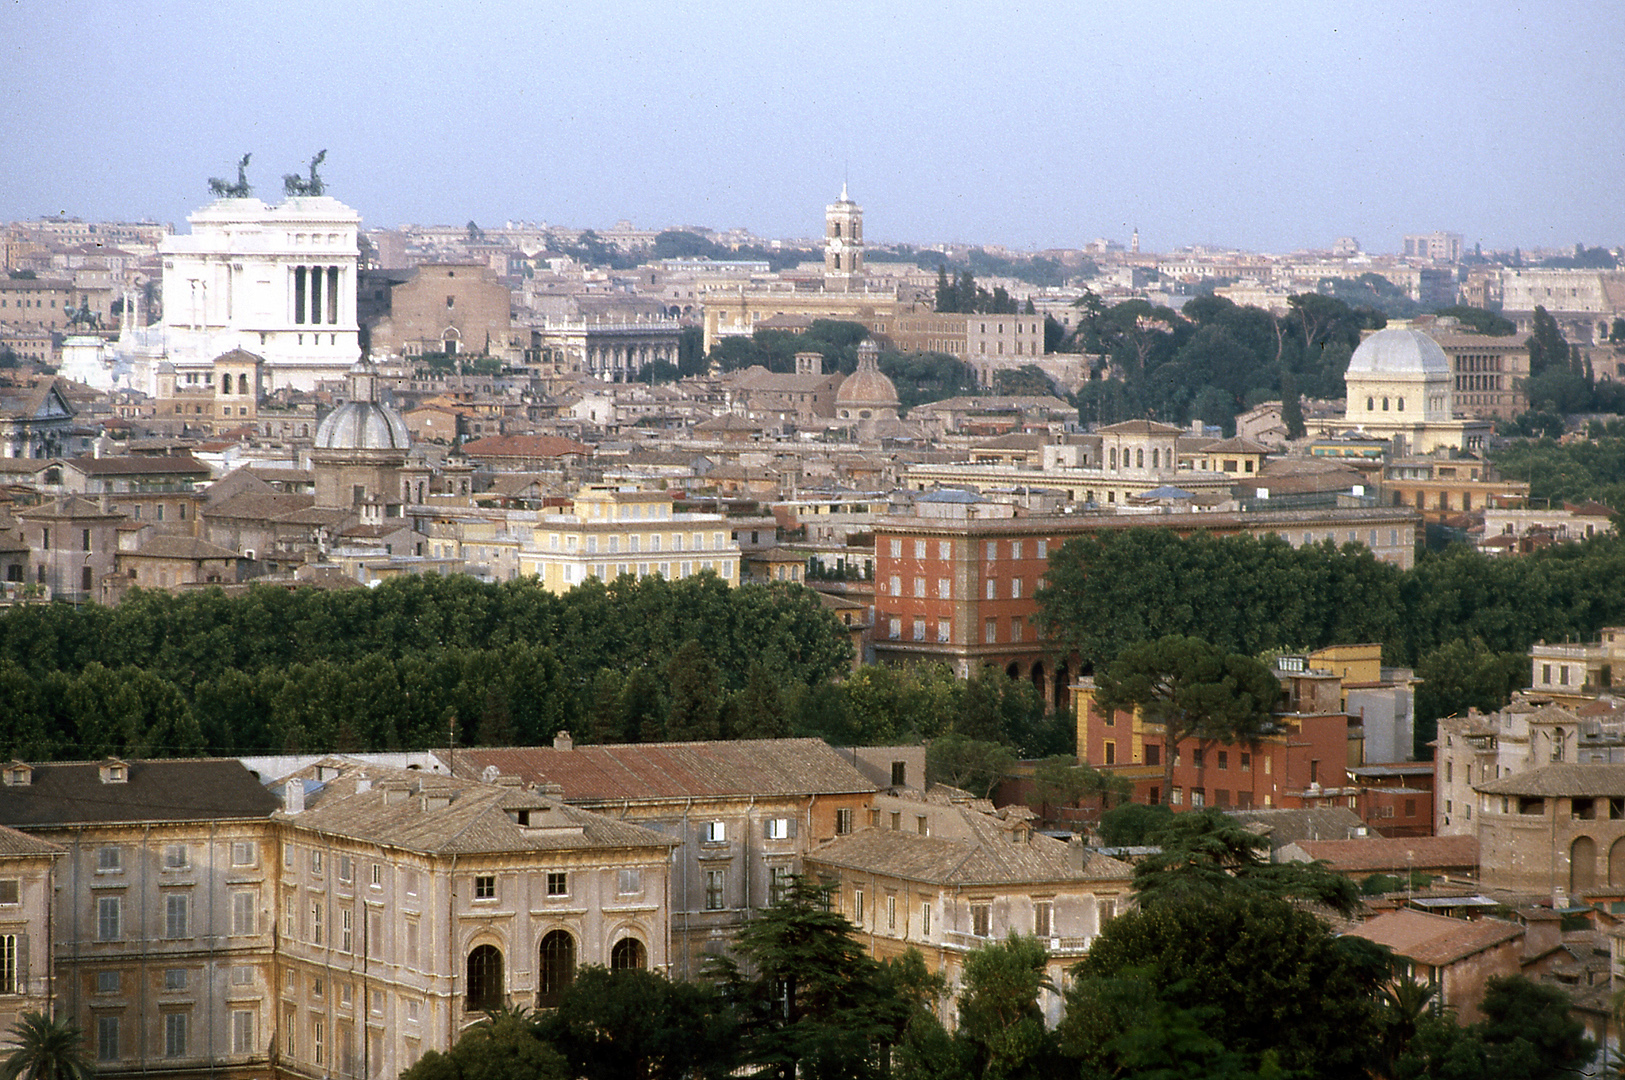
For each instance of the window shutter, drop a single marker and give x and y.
(22, 963)
(791, 832)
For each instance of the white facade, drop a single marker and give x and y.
(276, 281)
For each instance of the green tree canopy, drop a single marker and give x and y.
(1245, 983)
(46, 1048)
(504, 1046)
(1191, 689)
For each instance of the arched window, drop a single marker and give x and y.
(1582, 865)
(1114, 457)
(242, 385)
(1370, 403)
(1384, 404)
(1401, 404)
(225, 384)
(1139, 458)
(1155, 454)
(485, 979)
(557, 970)
(628, 955)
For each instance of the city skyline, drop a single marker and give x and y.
(1262, 127)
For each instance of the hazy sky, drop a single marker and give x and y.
(1268, 126)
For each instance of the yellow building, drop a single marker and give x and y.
(614, 530)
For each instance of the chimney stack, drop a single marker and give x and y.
(293, 798)
(562, 741)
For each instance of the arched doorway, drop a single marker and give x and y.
(1582, 865)
(1040, 683)
(1616, 864)
(1014, 670)
(1063, 687)
(485, 979)
(557, 968)
(628, 955)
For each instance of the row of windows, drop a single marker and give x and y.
(177, 915)
(1015, 549)
(716, 832)
(612, 543)
(177, 1035)
(486, 987)
(607, 571)
(110, 858)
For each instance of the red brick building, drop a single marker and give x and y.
(958, 588)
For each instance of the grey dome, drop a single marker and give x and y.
(1399, 352)
(363, 425)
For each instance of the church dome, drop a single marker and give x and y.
(868, 387)
(363, 425)
(1399, 352)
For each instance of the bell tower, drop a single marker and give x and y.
(843, 245)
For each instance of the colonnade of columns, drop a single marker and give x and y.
(310, 285)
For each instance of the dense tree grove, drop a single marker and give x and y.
(403, 666)
(419, 661)
(1214, 359)
(1111, 590)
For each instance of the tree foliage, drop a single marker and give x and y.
(1241, 985)
(1192, 690)
(504, 1046)
(1207, 855)
(46, 1048)
(385, 668)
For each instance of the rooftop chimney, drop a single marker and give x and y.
(562, 741)
(293, 797)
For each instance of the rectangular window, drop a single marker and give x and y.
(716, 832)
(346, 930)
(891, 912)
(925, 920)
(242, 912)
(777, 828)
(485, 887)
(175, 1034)
(316, 923)
(346, 868)
(109, 860)
(1043, 916)
(990, 629)
(8, 965)
(919, 549)
(945, 589)
(290, 1024)
(919, 629)
(108, 912)
(945, 630)
(1246, 762)
(1043, 549)
(107, 982)
(981, 920)
(378, 875)
(944, 549)
(1224, 759)
(991, 549)
(1015, 628)
(242, 975)
(10, 891)
(843, 821)
(318, 1042)
(919, 587)
(243, 853)
(629, 882)
(558, 883)
(778, 883)
(857, 907)
(412, 938)
(992, 589)
(175, 979)
(316, 863)
(715, 880)
(411, 876)
(107, 1038)
(175, 857)
(242, 1031)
